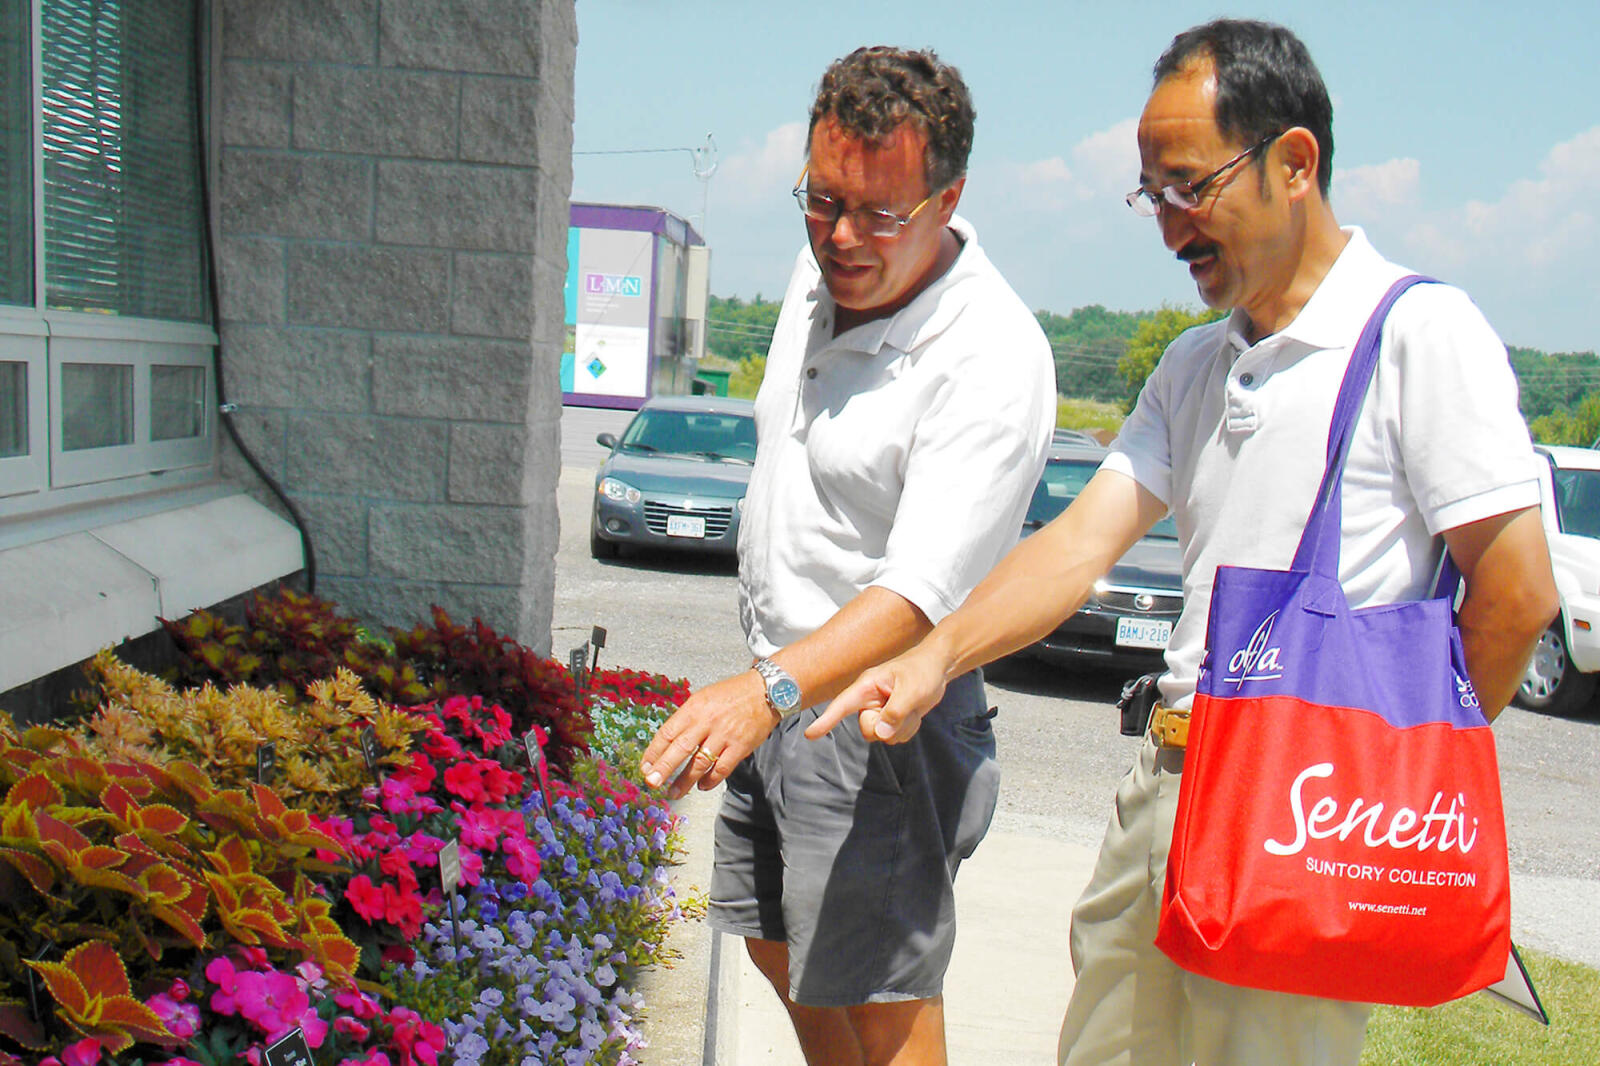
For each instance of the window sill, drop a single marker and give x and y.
(71, 595)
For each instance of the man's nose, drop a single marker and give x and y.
(844, 233)
(1176, 225)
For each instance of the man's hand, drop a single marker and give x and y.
(710, 734)
(889, 700)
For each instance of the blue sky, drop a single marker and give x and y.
(1467, 136)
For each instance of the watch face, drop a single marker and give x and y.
(785, 694)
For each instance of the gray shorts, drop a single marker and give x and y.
(848, 851)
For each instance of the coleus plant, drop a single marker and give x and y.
(141, 859)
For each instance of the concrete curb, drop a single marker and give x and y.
(688, 1013)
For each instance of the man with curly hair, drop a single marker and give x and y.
(902, 424)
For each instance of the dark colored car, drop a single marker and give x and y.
(1128, 619)
(676, 477)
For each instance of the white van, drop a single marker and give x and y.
(1561, 676)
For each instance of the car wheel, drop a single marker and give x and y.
(602, 549)
(1552, 683)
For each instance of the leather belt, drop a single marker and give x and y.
(1170, 727)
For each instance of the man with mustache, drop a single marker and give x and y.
(1229, 433)
(902, 424)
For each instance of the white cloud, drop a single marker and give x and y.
(1362, 193)
(1101, 164)
(1521, 255)
(1536, 224)
(755, 173)
(1109, 159)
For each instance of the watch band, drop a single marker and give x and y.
(783, 691)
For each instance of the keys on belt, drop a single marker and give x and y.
(1170, 727)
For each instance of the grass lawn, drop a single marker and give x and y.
(1087, 414)
(1478, 1032)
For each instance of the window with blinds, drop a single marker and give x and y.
(122, 225)
(16, 157)
(106, 343)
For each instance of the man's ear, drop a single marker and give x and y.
(1299, 155)
(948, 199)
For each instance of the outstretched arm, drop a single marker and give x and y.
(1511, 598)
(730, 719)
(1041, 581)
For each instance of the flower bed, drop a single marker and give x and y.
(197, 872)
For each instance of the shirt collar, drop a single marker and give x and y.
(1338, 309)
(924, 317)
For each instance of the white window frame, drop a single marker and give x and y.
(22, 340)
(49, 478)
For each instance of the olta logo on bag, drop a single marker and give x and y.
(1465, 693)
(1256, 661)
(1440, 829)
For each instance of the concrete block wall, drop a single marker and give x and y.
(394, 182)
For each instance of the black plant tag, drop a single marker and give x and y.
(576, 659)
(266, 762)
(290, 1051)
(450, 878)
(597, 638)
(369, 752)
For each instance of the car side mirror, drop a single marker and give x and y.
(608, 439)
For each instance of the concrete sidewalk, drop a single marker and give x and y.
(1008, 983)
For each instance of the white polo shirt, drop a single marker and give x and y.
(1233, 437)
(901, 454)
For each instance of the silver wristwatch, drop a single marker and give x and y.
(783, 691)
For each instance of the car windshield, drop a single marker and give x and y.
(1060, 484)
(1578, 501)
(704, 434)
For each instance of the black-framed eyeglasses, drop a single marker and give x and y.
(869, 222)
(1185, 195)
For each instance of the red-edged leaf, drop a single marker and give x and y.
(18, 1024)
(267, 801)
(162, 819)
(100, 968)
(35, 790)
(251, 926)
(231, 857)
(119, 802)
(65, 986)
(127, 1017)
(40, 874)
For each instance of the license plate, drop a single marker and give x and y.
(682, 525)
(1143, 632)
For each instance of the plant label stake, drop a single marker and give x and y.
(575, 659)
(450, 877)
(530, 740)
(266, 762)
(290, 1051)
(597, 637)
(369, 752)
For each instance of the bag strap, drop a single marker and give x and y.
(1319, 543)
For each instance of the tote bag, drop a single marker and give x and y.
(1339, 830)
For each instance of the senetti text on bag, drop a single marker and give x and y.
(1441, 829)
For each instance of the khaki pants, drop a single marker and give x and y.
(1132, 1006)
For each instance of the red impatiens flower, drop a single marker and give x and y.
(365, 898)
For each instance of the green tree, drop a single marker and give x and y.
(746, 378)
(1579, 426)
(736, 330)
(1087, 345)
(1547, 383)
(1150, 340)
